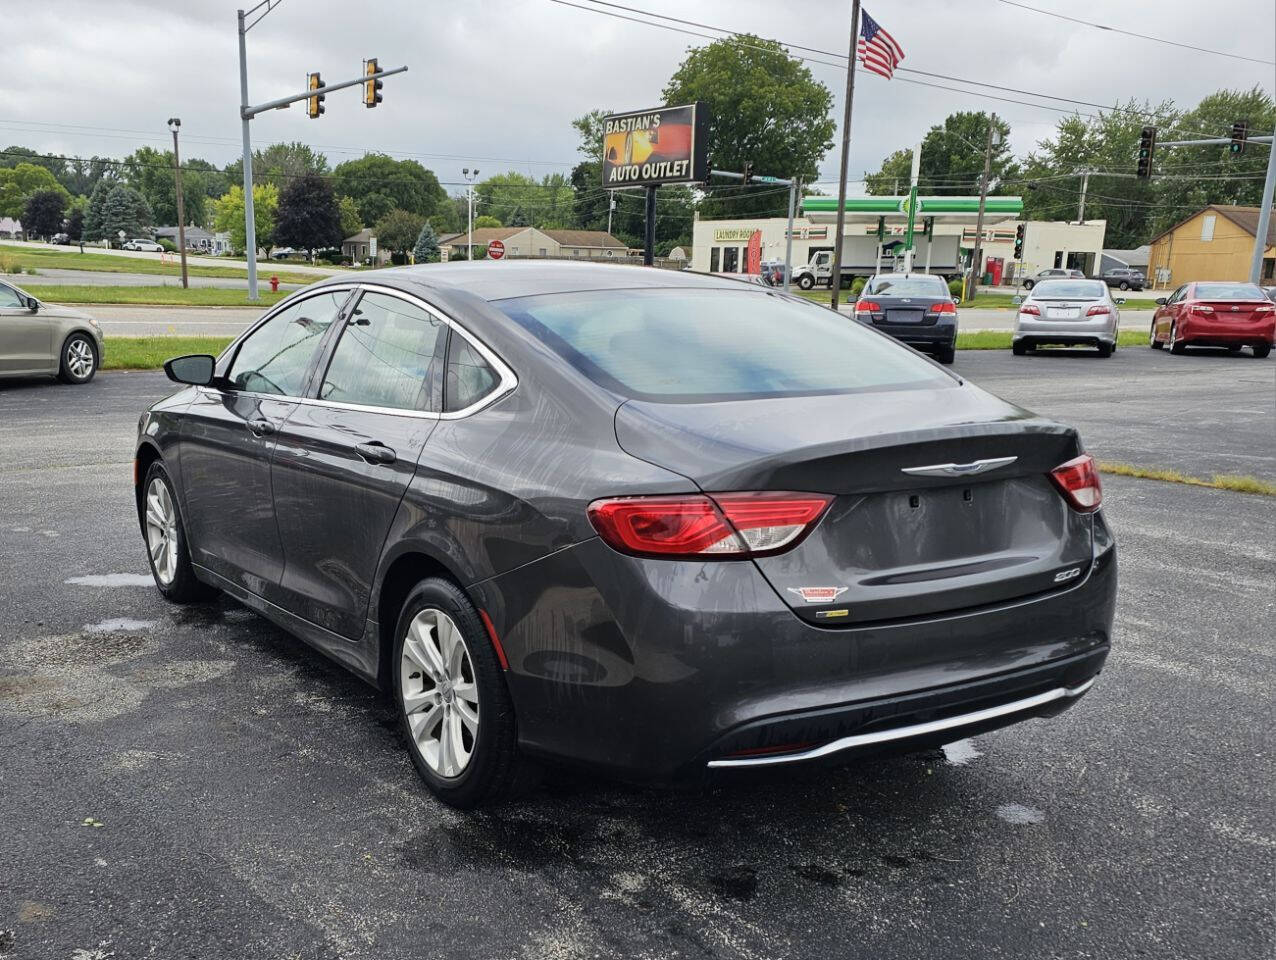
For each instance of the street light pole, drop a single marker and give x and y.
(175, 124)
(250, 223)
(835, 278)
(1264, 218)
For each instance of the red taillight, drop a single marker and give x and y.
(1031, 309)
(728, 525)
(1098, 310)
(1269, 308)
(945, 307)
(1202, 308)
(1078, 481)
(868, 306)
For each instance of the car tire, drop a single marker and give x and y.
(1176, 346)
(78, 361)
(164, 534)
(1019, 348)
(1262, 350)
(1105, 350)
(1154, 343)
(1124, 286)
(806, 282)
(1234, 349)
(423, 681)
(946, 355)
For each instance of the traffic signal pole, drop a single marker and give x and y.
(247, 112)
(752, 177)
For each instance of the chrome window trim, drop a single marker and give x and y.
(277, 309)
(508, 379)
(914, 730)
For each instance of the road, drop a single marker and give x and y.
(192, 782)
(98, 278)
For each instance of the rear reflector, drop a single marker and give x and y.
(725, 526)
(868, 306)
(767, 751)
(1078, 481)
(1097, 310)
(946, 307)
(1031, 309)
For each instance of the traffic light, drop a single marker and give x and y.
(748, 172)
(371, 88)
(1019, 232)
(314, 105)
(1147, 145)
(1240, 130)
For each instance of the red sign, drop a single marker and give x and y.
(495, 250)
(755, 252)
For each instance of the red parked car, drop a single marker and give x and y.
(1231, 315)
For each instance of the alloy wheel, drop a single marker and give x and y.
(439, 694)
(161, 531)
(79, 358)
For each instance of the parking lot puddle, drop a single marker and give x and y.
(1020, 815)
(112, 580)
(119, 625)
(961, 753)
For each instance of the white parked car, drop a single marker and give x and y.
(1067, 313)
(150, 246)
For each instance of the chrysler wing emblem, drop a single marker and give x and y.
(959, 469)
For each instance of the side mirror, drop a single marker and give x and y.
(1016, 300)
(1161, 301)
(195, 370)
(33, 304)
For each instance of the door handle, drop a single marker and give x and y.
(376, 452)
(261, 427)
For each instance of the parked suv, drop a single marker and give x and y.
(1124, 278)
(1052, 274)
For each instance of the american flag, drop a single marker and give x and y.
(877, 49)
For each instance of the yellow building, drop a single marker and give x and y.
(1215, 244)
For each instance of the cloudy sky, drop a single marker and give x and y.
(494, 84)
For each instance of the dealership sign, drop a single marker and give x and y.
(651, 147)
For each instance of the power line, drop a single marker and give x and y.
(1131, 33)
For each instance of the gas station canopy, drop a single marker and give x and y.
(942, 209)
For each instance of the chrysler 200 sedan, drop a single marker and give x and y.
(654, 523)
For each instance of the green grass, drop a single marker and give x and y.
(1237, 483)
(1000, 339)
(27, 258)
(165, 296)
(149, 353)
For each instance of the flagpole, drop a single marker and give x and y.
(835, 281)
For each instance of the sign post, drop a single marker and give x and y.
(647, 148)
(495, 250)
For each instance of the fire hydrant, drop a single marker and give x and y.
(274, 284)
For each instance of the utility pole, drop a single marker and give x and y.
(913, 179)
(835, 281)
(1264, 217)
(788, 236)
(247, 112)
(1085, 185)
(611, 207)
(174, 124)
(979, 220)
(469, 198)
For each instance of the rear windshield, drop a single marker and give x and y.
(1228, 291)
(687, 346)
(907, 287)
(1069, 290)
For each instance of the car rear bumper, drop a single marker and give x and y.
(653, 670)
(1098, 331)
(923, 337)
(1207, 333)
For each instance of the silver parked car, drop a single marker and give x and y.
(46, 339)
(1054, 273)
(1068, 313)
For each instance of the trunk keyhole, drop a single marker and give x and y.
(967, 495)
(914, 501)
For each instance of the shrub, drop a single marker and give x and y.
(32, 271)
(954, 287)
(168, 245)
(857, 286)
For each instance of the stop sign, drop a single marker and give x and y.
(495, 250)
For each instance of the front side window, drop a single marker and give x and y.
(470, 378)
(697, 345)
(9, 297)
(388, 356)
(274, 358)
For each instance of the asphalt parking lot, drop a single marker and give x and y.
(194, 783)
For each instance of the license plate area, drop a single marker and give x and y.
(1062, 313)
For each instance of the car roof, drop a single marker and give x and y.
(504, 280)
(905, 276)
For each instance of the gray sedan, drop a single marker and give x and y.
(46, 339)
(1068, 313)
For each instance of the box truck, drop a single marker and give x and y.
(859, 259)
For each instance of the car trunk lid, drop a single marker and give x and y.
(893, 544)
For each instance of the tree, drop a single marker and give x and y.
(427, 245)
(952, 159)
(766, 108)
(398, 231)
(93, 216)
(379, 184)
(278, 164)
(487, 221)
(75, 225)
(42, 216)
(351, 222)
(228, 214)
(518, 200)
(18, 183)
(308, 217)
(150, 173)
(125, 211)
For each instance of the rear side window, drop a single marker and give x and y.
(1070, 290)
(470, 378)
(1228, 291)
(686, 346)
(907, 287)
(388, 356)
(274, 358)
